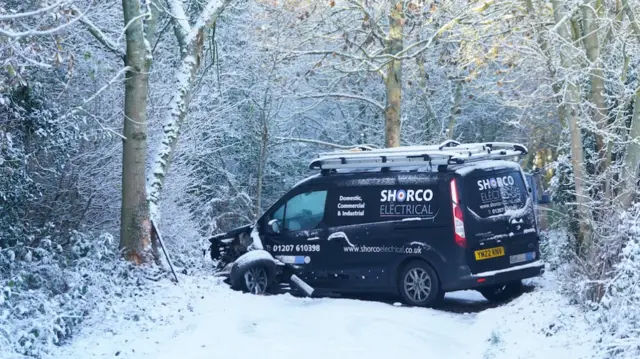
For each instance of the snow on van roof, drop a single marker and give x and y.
(488, 164)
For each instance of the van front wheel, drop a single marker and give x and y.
(419, 285)
(253, 272)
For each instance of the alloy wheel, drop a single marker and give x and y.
(417, 284)
(256, 280)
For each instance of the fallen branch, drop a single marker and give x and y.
(164, 250)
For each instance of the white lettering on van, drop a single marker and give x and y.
(496, 182)
(392, 195)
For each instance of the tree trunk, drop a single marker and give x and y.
(430, 120)
(619, 130)
(393, 78)
(264, 143)
(455, 108)
(592, 48)
(544, 48)
(632, 156)
(191, 41)
(572, 99)
(135, 226)
(632, 18)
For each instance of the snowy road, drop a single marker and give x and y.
(202, 320)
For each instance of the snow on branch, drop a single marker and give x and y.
(131, 22)
(565, 18)
(185, 76)
(185, 33)
(208, 17)
(40, 11)
(34, 32)
(98, 34)
(347, 96)
(96, 94)
(423, 44)
(181, 22)
(322, 143)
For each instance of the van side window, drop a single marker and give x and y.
(302, 212)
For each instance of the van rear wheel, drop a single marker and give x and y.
(502, 292)
(419, 285)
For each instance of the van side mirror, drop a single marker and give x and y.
(546, 198)
(274, 226)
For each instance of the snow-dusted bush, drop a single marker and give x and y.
(556, 247)
(620, 307)
(47, 291)
(605, 278)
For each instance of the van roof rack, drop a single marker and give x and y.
(449, 152)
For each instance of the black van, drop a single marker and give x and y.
(414, 221)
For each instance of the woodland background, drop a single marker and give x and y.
(98, 98)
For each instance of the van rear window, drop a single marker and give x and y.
(495, 193)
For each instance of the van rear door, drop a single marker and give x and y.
(499, 220)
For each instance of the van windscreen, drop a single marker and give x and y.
(496, 192)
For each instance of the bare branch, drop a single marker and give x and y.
(322, 143)
(346, 95)
(124, 30)
(98, 34)
(33, 32)
(93, 97)
(43, 10)
(95, 118)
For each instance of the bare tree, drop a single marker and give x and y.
(568, 54)
(191, 39)
(380, 38)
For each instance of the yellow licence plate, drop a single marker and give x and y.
(489, 253)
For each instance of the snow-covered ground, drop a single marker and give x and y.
(203, 319)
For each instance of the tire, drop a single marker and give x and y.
(419, 285)
(252, 276)
(501, 293)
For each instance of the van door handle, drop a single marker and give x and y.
(336, 236)
(516, 224)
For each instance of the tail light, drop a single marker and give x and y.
(458, 220)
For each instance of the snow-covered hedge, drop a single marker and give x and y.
(46, 292)
(610, 296)
(620, 306)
